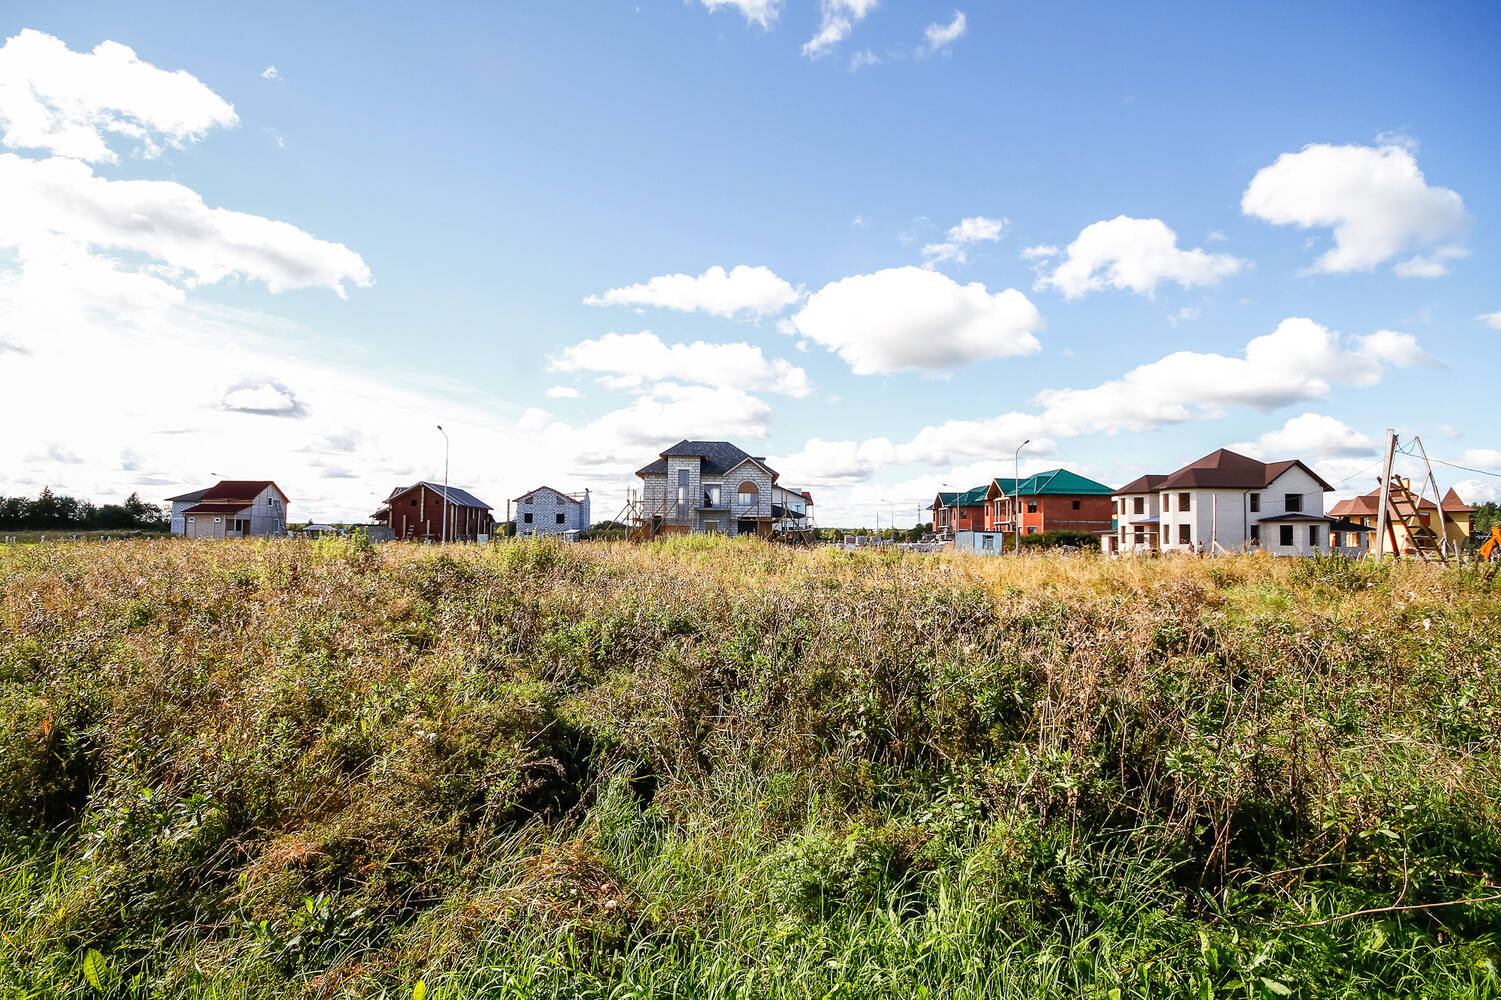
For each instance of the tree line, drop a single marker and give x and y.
(58, 512)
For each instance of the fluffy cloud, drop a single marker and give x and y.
(1311, 435)
(638, 358)
(270, 73)
(940, 36)
(909, 318)
(1132, 254)
(760, 12)
(862, 59)
(266, 397)
(1299, 360)
(59, 198)
(744, 290)
(71, 103)
(562, 392)
(976, 229)
(1485, 458)
(837, 19)
(1373, 198)
(1492, 320)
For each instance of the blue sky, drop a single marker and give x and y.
(469, 177)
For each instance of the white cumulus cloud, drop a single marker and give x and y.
(758, 12)
(837, 18)
(910, 318)
(62, 199)
(638, 358)
(72, 103)
(1374, 199)
(937, 36)
(976, 229)
(744, 290)
(1492, 320)
(1310, 435)
(1131, 254)
(562, 392)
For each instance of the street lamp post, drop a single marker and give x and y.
(444, 534)
(891, 510)
(1016, 466)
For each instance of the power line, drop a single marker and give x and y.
(1466, 468)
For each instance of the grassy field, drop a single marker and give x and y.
(710, 768)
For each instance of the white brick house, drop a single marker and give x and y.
(713, 487)
(546, 511)
(1226, 503)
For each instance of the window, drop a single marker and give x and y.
(1031, 506)
(1285, 535)
(1185, 535)
(1182, 501)
(711, 496)
(1293, 503)
(1313, 535)
(748, 494)
(193, 519)
(1076, 505)
(531, 500)
(1255, 503)
(526, 518)
(1031, 529)
(1141, 538)
(557, 501)
(1139, 505)
(561, 518)
(414, 503)
(1256, 533)
(711, 527)
(218, 519)
(1164, 534)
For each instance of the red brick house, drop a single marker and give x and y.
(416, 512)
(1056, 500)
(958, 512)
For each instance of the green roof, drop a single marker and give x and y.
(1058, 481)
(972, 498)
(945, 500)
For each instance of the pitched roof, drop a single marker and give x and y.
(1370, 504)
(539, 489)
(1224, 469)
(240, 489)
(717, 458)
(1142, 484)
(456, 496)
(1060, 481)
(192, 497)
(229, 507)
(944, 500)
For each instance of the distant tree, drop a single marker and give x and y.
(1486, 516)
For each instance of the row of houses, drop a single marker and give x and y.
(1222, 503)
(423, 511)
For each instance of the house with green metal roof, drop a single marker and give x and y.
(963, 511)
(1054, 500)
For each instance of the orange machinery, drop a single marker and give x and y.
(1492, 547)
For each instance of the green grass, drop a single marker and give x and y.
(713, 768)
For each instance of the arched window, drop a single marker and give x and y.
(749, 493)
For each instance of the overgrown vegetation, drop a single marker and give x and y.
(716, 768)
(51, 511)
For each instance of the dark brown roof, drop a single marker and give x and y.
(240, 489)
(1142, 484)
(1224, 469)
(218, 508)
(190, 497)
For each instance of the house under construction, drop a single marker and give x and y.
(713, 487)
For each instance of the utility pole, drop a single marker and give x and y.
(1383, 520)
(1016, 466)
(444, 533)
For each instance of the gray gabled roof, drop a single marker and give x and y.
(192, 497)
(460, 497)
(717, 458)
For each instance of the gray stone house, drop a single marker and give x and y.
(713, 487)
(546, 511)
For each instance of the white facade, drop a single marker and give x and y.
(546, 511)
(1222, 521)
(1137, 526)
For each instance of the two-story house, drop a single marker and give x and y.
(234, 508)
(546, 511)
(1055, 500)
(956, 512)
(1451, 512)
(432, 512)
(1226, 502)
(1138, 509)
(710, 487)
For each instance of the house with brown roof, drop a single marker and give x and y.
(234, 508)
(1451, 511)
(1226, 503)
(433, 512)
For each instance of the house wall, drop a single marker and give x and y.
(545, 505)
(1055, 512)
(268, 514)
(730, 487)
(968, 518)
(1126, 534)
(205, 525)
(179, 525)
(1222, 519)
